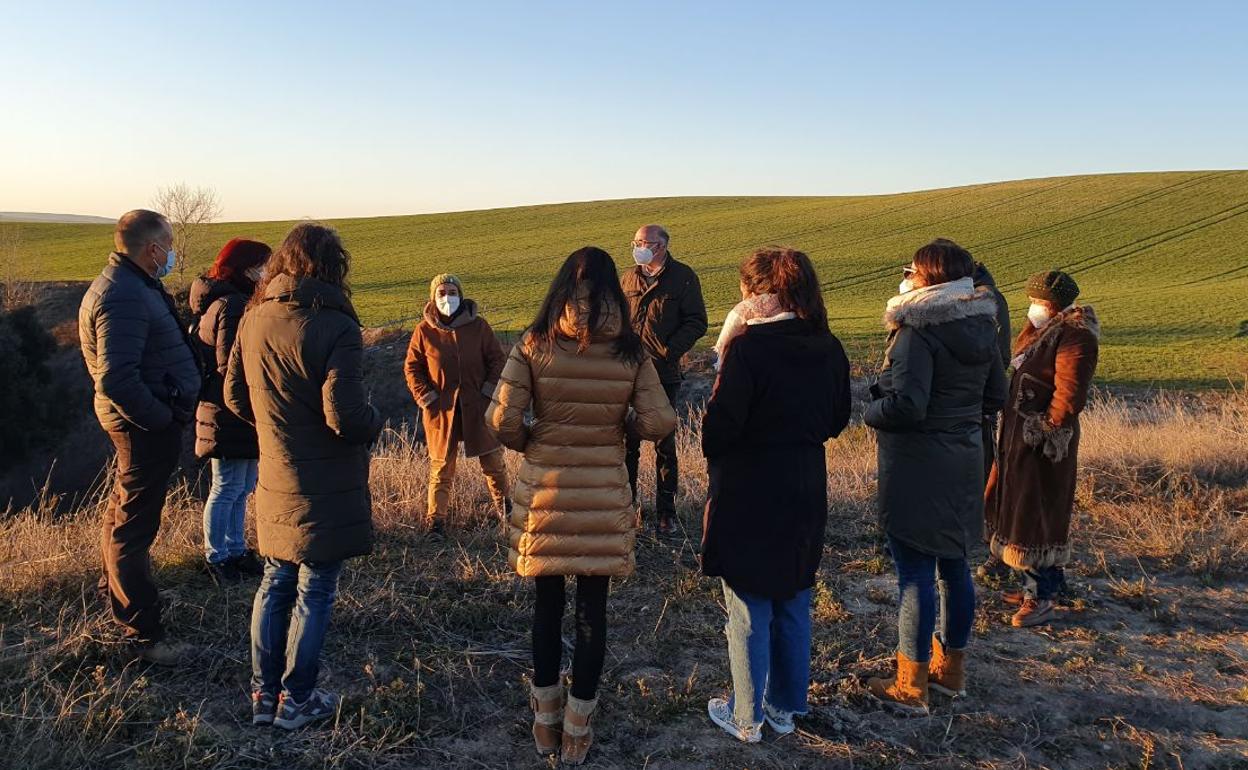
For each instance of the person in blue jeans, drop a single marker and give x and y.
(782, 392)
(218, 300)
(942, 373)
(296, 372)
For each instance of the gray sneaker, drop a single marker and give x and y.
(320, 705)
(780, 721)
(263, 708)
(721, 715)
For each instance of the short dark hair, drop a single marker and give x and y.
(942, 261)
(136, 229)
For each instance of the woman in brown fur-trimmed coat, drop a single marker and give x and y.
(1031, 491)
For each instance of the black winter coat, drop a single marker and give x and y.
(669, 315)
(942, 373)
(218, 308)
(782, 392)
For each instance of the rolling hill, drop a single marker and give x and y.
(1162, 256)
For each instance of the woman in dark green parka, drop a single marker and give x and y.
(942, 373)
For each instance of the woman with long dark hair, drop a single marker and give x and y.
(218, 299)
(782, 392)
(942, 373)
(584, 374)
(297, 374)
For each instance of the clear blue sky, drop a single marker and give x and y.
(353, 109)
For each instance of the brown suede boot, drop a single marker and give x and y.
(906, 691)
(547, 703)
(577, 734)
(946, 674)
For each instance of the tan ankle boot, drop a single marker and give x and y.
(905, 692)
(577, 734)
(946, 674)
(547, 703)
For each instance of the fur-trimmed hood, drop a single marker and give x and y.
(939, 304)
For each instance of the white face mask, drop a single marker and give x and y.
(905, 287)
(1039, 315)
(643, 255)
(447, 304)
(171, 259)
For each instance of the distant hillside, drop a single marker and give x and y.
(71, 219)
(1162, 256)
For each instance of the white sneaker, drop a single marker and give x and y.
(721, 715)
(780, 721)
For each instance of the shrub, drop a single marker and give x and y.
(30, 402)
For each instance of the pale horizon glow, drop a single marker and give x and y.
(320, 110)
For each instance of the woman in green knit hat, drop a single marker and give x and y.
(1031, 490)
(453, 363)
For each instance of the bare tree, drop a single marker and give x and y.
(190, 211)
(16, 288)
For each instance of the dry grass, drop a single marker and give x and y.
(429, 642)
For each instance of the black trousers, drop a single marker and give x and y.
(591, 632)
(145, 461)
(664, 461)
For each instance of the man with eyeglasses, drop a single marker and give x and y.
(665, 299)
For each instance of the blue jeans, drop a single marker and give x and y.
(768, 652)
(916, 586)
(285, 644)
(232, 481)
(1043, 582)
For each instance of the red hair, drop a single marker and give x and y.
(236, 258)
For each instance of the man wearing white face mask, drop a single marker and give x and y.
(453, 364)
(668, 313)
(147, 382)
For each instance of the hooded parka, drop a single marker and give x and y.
(296, 372)
(218, 307)
(942, 373)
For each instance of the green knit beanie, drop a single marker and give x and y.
(438, 280)
(1055, 286)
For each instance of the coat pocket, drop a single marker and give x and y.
(1034, 395)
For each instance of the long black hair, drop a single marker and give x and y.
(588, 276)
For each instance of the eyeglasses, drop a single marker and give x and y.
(647, 244)
(908, 271)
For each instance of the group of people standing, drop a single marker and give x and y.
(271, 372)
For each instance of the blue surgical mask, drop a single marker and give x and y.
(171, 259)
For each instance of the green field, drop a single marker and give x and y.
(1162, 256)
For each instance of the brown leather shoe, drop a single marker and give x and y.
(1034, 612)
(547, 703)
(906, 691)
(578, 736)
(946, 673)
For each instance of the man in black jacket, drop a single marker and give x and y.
(665, 300)
(147, 382)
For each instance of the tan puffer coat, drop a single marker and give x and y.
(573, 510)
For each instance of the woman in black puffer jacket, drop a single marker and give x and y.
(218, 300)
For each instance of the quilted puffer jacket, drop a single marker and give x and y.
(145, 372)
(573, 511)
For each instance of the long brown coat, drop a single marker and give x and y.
(1031, 491)
(453, 369)
(296, 372)
(573, 510)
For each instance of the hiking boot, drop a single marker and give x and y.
(993, 569)
(721, 715)
(665, 527)
(263, 707)
(249, 563)
(1013, 596)
(780, 721)
(320, 705)
(578, 736)
(946, 673)
(1034, 612)
(547, 703)
(165, 653)
(906, 691)
(223, 573)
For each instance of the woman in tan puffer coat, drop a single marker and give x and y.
(579, 368)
